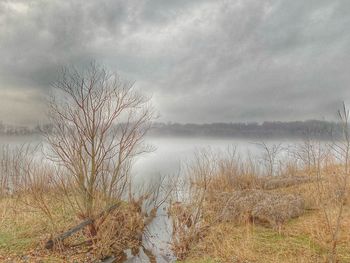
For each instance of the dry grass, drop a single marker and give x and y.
(301, 240)
(256, 206)
(24, 230)
(120, 230)
(237, 204)
(188, 229)
(23, 233)
(285, 181)
(262, 206)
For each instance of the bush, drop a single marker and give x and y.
(261, 206)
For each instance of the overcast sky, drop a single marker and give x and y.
(203, 61)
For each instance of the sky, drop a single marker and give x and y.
(200, 60)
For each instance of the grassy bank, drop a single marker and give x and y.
(235, 214)
(24, 231)
(302, 240)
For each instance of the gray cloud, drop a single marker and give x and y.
(203, 61)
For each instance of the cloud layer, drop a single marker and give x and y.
(203, 61)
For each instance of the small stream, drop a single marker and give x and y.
(169, 159)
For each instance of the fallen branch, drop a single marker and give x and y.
(280, 182)
(50, 243)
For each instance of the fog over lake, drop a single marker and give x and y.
(171, 154)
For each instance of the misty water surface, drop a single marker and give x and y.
(171, 154)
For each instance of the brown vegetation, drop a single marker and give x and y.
(260, 206)
(246, 216)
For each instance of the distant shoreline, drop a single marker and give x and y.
(310, 129)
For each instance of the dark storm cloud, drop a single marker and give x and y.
(203, 61)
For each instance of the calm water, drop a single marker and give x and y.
(171, 153)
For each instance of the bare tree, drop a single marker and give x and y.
(269, 156)
(98, 125)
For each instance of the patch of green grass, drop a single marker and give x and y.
(5, 238)
(306, 242)
(272, 242)
(14, 240)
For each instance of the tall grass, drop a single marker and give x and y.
(225, 189)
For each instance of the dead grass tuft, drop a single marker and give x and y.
(260, 206)
(120, 230)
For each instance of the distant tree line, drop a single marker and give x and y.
(268, 129)
(22, 130)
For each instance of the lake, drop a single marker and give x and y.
(172, 153)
